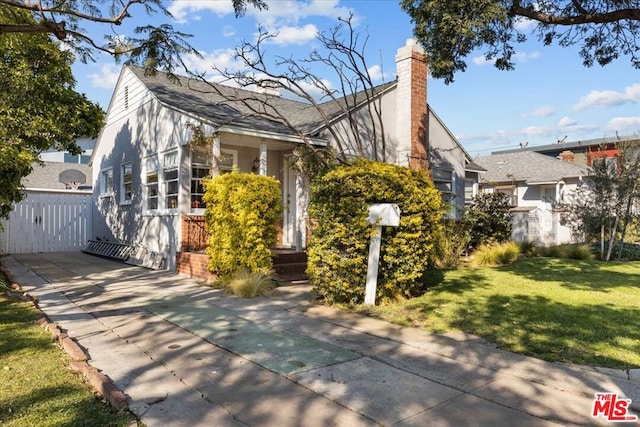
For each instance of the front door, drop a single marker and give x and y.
(289, 202)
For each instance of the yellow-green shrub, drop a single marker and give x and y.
(339, 245)
(497, 254)
(242, 210)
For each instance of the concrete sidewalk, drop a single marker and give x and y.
(189, 355)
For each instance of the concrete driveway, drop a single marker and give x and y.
(188, 355)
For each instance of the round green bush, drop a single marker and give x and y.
(340, 234)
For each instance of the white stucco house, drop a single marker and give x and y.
(147, 179)
(536, 184)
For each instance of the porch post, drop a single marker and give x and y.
(215, 170)
(262, 170)
(302, 203)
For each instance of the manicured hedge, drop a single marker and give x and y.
(339, 244)
(242, 210)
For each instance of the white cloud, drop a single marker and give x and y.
(318, 93)
(287, 35)
(533, 131)
(481, 60)
(282, 17)
(228, 31)
(376, 73)
(624, 124)
(609, 98)
(291, 12)
(518, 57)
(223, 59)
(544, 111)
(181, 9)
(524, 56)
(524, 25)
(566, 121)
(278, 15)
(106, 78)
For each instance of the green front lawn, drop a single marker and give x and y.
(36, 389)
(584, 312)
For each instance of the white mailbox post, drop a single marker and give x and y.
(380, 214)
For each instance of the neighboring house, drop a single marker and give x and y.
(535, 184)
(55, 213)
(59, 176)
(581, 153)
(86, 144)
(147, 178)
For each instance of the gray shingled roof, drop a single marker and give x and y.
(210, 102)
(47, 176)
(568, 145)
(527, 166)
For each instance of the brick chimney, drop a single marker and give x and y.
(411, 105)
(567, 156)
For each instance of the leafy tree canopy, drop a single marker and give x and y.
(450, 30)
(153, 47)
(39, 108)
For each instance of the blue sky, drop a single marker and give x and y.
(550, 95)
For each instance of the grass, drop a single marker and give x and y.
(36, 389)
(574, 311)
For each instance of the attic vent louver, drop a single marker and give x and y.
(126, 97)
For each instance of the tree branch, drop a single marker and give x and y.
(583, 16)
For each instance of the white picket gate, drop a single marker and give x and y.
(48, 221)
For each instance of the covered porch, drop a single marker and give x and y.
(256, 154)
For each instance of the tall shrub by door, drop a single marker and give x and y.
(242, 210)
(339, 245)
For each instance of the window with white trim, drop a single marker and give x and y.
(126, 183)
(469, 190)
(151, 182)
(170, 179)
(106, 182)
(511, 192)
(548, 196)
(200, 168)
(228, 160)
(444, 180)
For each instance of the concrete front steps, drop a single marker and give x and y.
(290, 265)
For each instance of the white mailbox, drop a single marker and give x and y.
(387, 213)
(380, 214)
